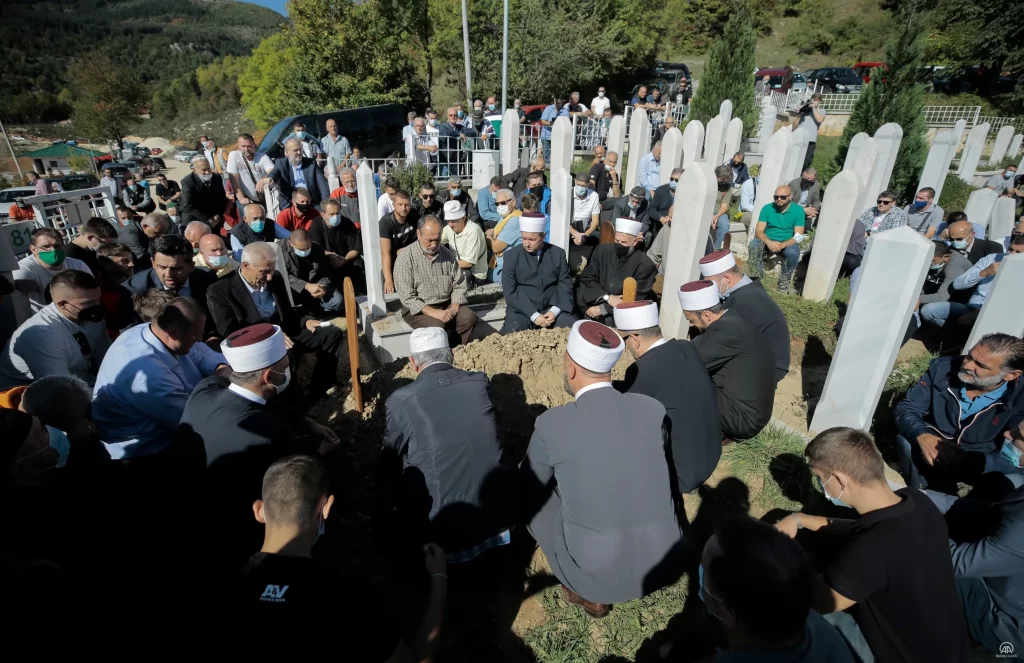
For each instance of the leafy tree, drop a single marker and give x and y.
(263, 83)
(107, 99)
(894, 95)
(728, 71)
(690, 26)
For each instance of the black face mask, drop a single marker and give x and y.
(623, 251)
(724, 186)
(537, 190)
(91, 314)
(737, 164)
(806, 183)
(304, 207)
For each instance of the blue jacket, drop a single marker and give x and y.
(933, 406)
(282, 175)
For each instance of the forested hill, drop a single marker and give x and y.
(159, 40)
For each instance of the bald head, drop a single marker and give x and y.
(961, 233)
(211, 245)
(254, 212)
(195, 231)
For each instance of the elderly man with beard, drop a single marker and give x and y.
(202, 195)
(952, 421)
(600, 288)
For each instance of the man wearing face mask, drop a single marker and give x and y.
(194, 232)
(137, 422)
(213, 154)
(807, 193)
(309, 274)
(347, 195)
(454, 192)
(301, 214)
(92, 234)
(310, 144)
(1018, 231)
(923, 215)
(635, 206)
(214, 256)
(600, 289)
(963, 239)
(547, 120)
(294, 171)
(518, 179)
(891, 580)
(938, 291)
(255, 228)
(1002, 183)
(720, 212)
(342, 243)
(505, 234)
(599, 103)
(586, 212)
(65, 337)
(485, 203)
(951, 422)
(249, 172)
(977, 282)
(45, 260)
(202, 195)
(603, 178)
(136, 197)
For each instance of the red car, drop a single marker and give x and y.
(531, 120)
(863, 69)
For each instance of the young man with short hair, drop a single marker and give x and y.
(890, 588)
(92, 234)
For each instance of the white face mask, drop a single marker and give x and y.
(206, 178)
(502, 210)
(600, 94)
(287, 379)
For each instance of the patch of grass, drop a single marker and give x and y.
(904, 376)
(807, 318)
(772, 464)
(825, 158)
(954, 193)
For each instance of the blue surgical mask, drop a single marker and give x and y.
(491, 107)
(455, 193)
(217, 261)
(1011, 453)
(134, 187)
(580, 191)
(334, 220)
(1008, 174)
(834, 500)
(300, 134)
(60, 443)
(920, 204)
(672, 185)
(959, 244)
(937, 267)
(302, 254)
(257, 226)
(462, 114)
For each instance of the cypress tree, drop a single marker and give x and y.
(895, 95)
(729, 71)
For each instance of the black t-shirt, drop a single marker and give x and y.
(600, 180)
(166, 192)
(400, 234)
(85, 255)
(896, 566)
(274, 587)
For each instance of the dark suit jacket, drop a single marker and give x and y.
(200, 201)
(813, 194)
(232, 308)
(662, 200)
(283, 177)
(752, 303)
(198, 283)
(530, 285)
(642, 213)
(471, 213)
(982, 248)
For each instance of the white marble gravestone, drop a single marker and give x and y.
(887, 141)
(331, 172)
(979, 206)
(1014, 149)
(937, 164)
(617, 140)
(860, 159)
(370, 233)
(509, 141)
(1002, 219)
(639, 146)
(835, 223)
(733, 138)
(972, 152)
(561, 144)
(766, 125)
(1003, 138)
(959, 127)
(691, 221)
(772, 174)
(725, 112)
(671, 154)
(797, 154)
(1001, 311)
(693, 142)
(893, 272)
(561, 207)
(714, 141)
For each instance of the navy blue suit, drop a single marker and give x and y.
(284, 178)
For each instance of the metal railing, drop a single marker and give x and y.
(996, 123)
(947, 116)
(67, 211)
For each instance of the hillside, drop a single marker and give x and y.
(158, 39)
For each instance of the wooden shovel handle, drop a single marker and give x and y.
(629, 289)
(352, 330)
(607, 232)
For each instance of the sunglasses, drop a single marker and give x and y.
(780, 197)
(884, 202)
(673, 179)
(427, 196)
(503, 202)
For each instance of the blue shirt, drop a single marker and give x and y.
(486, 206)
(510, 235)
(969, 407)
(339, 149)
(141, 390)
(545, 201)
(263, 300)
(298, 177)
(972, 278)
(649, 172)
(550, 114)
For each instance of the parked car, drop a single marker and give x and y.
(660, 83)
(184, 156)
(780, 79)
(160, 163)
(863, 69)
(376, 130)
(835, 80)
(8, 196)
(140, 151)
(799, 83)
(75, 182)
(662, 66)
(133, 169)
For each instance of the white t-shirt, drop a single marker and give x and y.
(260, 167)
(599, 105)
(29, 269)
(584, 209)
(385, 205)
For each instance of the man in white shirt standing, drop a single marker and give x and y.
(46, 259)
(249, 171)
(67, 337)
(600, 103)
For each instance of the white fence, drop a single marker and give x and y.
(996, 123)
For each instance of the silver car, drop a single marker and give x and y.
(799, 83)
(8, 196)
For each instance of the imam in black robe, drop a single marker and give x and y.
(752, 303)
(609, 266)
(742, 367)
(531, 285)
(674, 375)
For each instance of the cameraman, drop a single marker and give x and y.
(810, 117)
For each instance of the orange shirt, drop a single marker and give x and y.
(16, 213)
(291, 220)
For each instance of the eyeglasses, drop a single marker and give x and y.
(673, 179)
(884, 202)
(780, 197)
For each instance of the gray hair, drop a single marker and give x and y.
(296, 141)
(723, 173)
(507, 192)
(246, 378)
(154, 218)
(346, 170)
(677, 171)
(810, 171)
(259, 253)
(436, 356)
(657, 144)
(197, 158)
(58, 400)
(198, 225)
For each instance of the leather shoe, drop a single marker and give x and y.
(595, 610)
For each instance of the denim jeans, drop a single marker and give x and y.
(546, 143)
(854, 637)
(791, 255)
(332, 301)
(937, 313)
(721, 231)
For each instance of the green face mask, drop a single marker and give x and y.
(54, 257)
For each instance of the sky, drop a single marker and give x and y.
(276, 5)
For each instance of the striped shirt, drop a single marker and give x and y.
(422, 281)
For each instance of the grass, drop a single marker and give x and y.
(955, 193)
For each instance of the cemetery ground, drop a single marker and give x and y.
(520, 615)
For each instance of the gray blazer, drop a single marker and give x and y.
(813, 194)
(609, 531)
(957, 265)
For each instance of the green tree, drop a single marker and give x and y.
(728, 71)
(107, 99)
(895, 96)
(263, 83)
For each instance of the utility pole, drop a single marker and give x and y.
(14, 156)
(504, 63)
(465, 50)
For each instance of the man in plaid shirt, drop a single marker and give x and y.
(884, 216)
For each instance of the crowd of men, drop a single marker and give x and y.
(162, 345)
